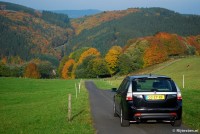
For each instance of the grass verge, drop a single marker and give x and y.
(40, 106)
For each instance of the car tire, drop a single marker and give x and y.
(114, 110)
(176, 123)
(123, 122)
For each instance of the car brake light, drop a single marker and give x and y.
(137, 114)
(129, 97)
(173, 114)
(179, 97)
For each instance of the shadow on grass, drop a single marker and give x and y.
(76, 115)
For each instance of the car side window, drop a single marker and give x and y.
(124, 86)
(121, 87)
(127, 85)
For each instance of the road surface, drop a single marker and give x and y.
(101, 102)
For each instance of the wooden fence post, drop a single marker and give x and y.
(69, 108)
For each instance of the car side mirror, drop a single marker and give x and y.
(114, 89)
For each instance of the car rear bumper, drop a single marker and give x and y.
(155, 114)
(163, 116)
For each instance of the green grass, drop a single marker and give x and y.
(40, 106)
(105, 84)
(190, 68)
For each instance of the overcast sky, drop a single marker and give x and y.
(181, 6)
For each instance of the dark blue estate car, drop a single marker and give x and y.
(148, 97)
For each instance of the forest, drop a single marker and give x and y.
(135, 23)
(29, 33)
(136, 54)
(43, 44)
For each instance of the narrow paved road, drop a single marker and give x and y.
(105, 123)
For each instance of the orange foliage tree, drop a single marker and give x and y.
(154, 54)
(112, 58)
(67, 69)
(172, 43)
(4, 60)
(195, 42)
(31, 71)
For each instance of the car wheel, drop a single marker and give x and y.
(176, 123)
(123, 122)
(114, 110)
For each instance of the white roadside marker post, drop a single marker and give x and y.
(79, 86)
(76, 90)
(183, 81)
(69, 108)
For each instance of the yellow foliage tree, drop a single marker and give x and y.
(85, 54)
(112, 58)
(89, 52)
(67, 69)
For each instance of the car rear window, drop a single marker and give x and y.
(151, 85)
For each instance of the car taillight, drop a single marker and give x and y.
(173, 114)
(137, 114)
(129, 97)
(179, 97)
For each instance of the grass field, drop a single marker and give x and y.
(33, 106)
(190, 68)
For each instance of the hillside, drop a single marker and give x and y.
(106, 29)
(137, 54)
(90, 22)
(77, 13)
(28, 33)
(147, 51)
(45, 33)
(176, 68)
(111, 42)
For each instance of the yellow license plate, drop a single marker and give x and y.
(155, 97)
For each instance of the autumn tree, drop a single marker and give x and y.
(61, 65)
(15, 60)
(154, 54)
(85, 69)
(89, 52)
(132, 57)
(31, 71)
(67, 69)
(4, 60)
(77, 53)
(100, 67)
(92, 67)
(194, 42)
(112, 58)
(171, 43)
(124, 64)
